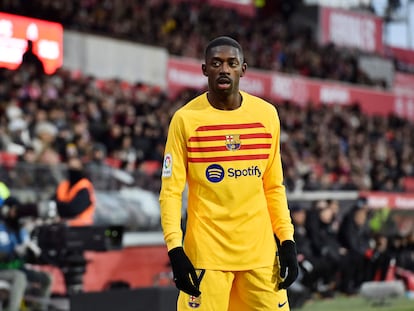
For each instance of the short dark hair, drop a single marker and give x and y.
(220, 41)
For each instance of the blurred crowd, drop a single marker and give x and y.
(339, 249)
(340, 148)
(43, 119)
(114, 124)
(272, 40)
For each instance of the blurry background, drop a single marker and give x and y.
(341, 74)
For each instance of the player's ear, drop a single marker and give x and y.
(204, 69)
(244, 68)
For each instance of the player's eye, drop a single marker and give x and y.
(216, 63)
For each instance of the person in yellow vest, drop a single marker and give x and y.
(75, 196)
(260, 3)
(4, 192)
(260, 6)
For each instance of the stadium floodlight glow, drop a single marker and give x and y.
(47, 40)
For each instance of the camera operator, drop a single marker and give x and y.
(16, 248)
(75, 196)
(76, 203)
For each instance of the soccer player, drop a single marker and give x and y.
(225, 145)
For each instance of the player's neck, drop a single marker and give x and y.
(225, 102)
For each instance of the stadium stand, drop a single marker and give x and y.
(326, 148)
(119, 128)
(273, 41)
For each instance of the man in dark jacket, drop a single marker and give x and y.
(325, 244)
(312, 267)
(355, 236)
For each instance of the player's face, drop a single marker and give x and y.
(224, 66)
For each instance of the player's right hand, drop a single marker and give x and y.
(185, 276)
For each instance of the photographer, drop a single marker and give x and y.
(15, 250)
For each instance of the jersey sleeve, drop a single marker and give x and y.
(275, 190)
(173, 182)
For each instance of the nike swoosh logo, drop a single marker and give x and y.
(280, 305)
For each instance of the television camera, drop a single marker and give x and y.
(55, 243)
(64, 247)
(58, 237)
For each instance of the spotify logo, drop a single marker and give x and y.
(215, 173)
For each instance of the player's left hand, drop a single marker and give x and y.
(185, 276)
(288, 263)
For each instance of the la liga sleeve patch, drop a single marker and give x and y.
(167, 165)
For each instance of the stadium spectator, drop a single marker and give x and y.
(407, 254)
(31, 63)
(337, 214)
(44, 143)
(16, 136)
(16, 250)
(97, 168)
(355, 236)
(312, 267)
(325, 244)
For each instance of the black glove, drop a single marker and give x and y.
(185, 276)
(288, 263)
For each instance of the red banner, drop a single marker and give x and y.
(47, 40)
(351, 29)
(245, 7)
(403, 55)
(388, 199)
(403, 84)
(184, 73)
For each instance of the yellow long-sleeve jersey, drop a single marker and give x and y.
(236, 198)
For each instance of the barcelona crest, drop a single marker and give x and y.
(194, 302)
(233, 142)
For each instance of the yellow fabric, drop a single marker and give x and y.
(4, 191)
(260, 3)
(237, 291)
(231, 221)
